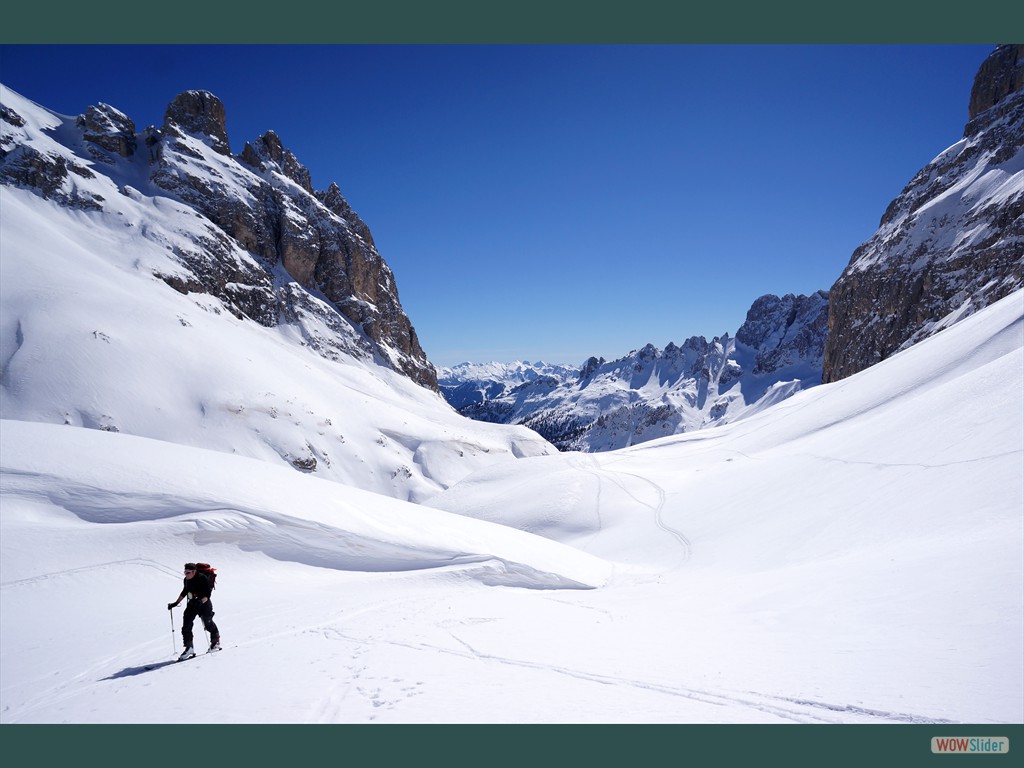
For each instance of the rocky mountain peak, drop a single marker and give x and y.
(949, 244)
(268, 149)
(785, 329)
(108, 128)
(590, 367)
(249, 229)
(999, 76)
(333, 201)
(324, 246)
(202, 114)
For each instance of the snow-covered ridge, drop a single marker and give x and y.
(125, 309)
(266, 244)
(651, 393)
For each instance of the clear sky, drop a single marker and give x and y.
(557, 202)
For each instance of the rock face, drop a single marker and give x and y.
(200, 114)
(952, 242)
(271, 244)
(785, 331)
(265, 201)
(653, 392)
(999, 76)
(50, 174)
(109, 129)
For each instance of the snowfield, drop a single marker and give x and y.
(854, 554)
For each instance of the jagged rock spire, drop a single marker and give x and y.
(200, 113)
(1000, 75)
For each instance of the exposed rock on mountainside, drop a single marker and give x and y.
(154, 285)
(999, 76)
(300, 243)
(105, 127)
(786, 330)
(950, 244)
(201, 114)
(652, 393)
(50, 174)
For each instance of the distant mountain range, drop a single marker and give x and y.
(651, 393)
(468, 384)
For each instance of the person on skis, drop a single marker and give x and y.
(197, 587)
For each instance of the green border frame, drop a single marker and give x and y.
(496, 746)
(502, 22)
(516, 21)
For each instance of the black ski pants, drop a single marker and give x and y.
(204, 611)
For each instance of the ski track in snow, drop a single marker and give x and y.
(799, 710)
(592, 466)
(658, 510)
(86, 568)
(908, 465)
(330, 707)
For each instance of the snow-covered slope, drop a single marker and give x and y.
(274, 511)
(852, 555)
(93, 334)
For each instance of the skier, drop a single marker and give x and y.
(197, 587)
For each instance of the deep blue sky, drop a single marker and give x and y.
(557, 202)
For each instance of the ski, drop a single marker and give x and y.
(179, 659)
(197, 655)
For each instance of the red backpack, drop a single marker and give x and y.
(211, 573)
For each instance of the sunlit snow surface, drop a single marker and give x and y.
(854, 554)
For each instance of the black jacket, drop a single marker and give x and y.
(198, 586)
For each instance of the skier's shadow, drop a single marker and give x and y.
(132, 671)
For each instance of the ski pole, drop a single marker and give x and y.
(174, 644)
